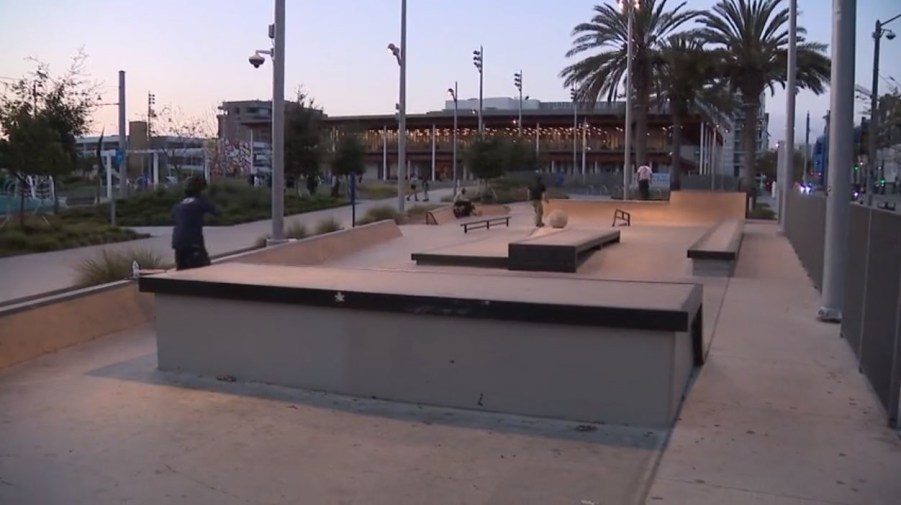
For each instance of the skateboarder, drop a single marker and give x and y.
(187, 235)
(644, 181)
(538, 197)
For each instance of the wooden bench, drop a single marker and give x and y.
(716, 252)
(485, 222)
(622, 218)
(561, 251)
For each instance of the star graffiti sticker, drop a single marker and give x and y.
(339, 297)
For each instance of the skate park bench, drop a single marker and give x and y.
(622, 218)
(716, 252)
(560, 251)
(579, 349)
(485, 222)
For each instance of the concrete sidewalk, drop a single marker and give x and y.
(33, 274)
(779, 414)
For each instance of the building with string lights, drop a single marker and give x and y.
(562, 135)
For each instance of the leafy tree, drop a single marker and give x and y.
(753, 38)
(767, 164)
(32, 142)
(601, 73)
(41, 115)
(521, 156)
(304, 150)
(349, 155)
(487, 157)
(686, 78)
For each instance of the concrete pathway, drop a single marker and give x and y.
(779, 414)
(33, 274)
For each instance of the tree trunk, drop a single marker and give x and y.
(749, 146)
(675, 181)
(641, 124)
(21, 200)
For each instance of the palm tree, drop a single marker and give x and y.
(753, 37)
(600, 74)
(686, 78)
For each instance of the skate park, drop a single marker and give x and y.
(342, 346)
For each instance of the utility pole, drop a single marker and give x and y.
(122, 155)
(788, 159)
(478, 59)
(630, 55)
(278, 124)
(838, 190)
(874, 107)
(517, 81)
(806, 147)
(575, 98)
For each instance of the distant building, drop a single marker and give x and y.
(547, 125)
(733, 152)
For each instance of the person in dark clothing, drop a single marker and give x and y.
(187, 235)
(538, 197)
(311, 184)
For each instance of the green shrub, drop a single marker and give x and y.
(327, 225)
(296, 231)
(111, 266)
(381, 213)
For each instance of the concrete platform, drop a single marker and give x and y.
(578, 349)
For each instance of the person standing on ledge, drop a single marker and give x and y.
(187, 235)
(644, 181)
(538, 197)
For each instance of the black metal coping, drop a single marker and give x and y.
(638, 318)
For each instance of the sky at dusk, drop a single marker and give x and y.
(193, 53)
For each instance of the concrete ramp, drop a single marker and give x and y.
(683, 207)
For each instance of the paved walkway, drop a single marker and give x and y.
(779, 414)
(33, 274)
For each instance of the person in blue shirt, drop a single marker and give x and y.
(187, 235)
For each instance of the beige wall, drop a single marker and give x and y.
(573, 372)
(66, 320)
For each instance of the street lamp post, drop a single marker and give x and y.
(575, 99)
(517, 81)
(400, 53)
(878, 33)
(478, 59)
(628, 6)
(584, 148)
(277, 54)
(454, 96)
(789, 155)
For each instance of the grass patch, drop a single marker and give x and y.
(376, 190)
(762, 211)
(238, 203)
(111, 266)
(57, 233)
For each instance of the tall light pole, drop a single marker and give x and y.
(277, 54)
(400, 53)
(454, 96)
(478, 59)
(628, 6)
(575, 99)
(878, 33)
(584, 148)
(841, 157)
(517, 81)
(788, 159)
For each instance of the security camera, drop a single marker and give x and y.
(890, 35)
(256, 60)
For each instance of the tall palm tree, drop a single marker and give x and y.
(600, 74)
(686, 78)
(753, 37)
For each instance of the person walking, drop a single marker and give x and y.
(644, 181)
(414, 183)
(187, 235)
(538, 197)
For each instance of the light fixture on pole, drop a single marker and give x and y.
(878, 33)
(584, 148)
(400, 54)
(517, 81)
(628, 6)
(478, 59)
(151, 101)
(575, 98)
(454, 96)
(277, 54)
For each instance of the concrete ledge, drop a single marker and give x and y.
(558, 251)
(716, 252)
(32, 329)
(321, 248)
(625, 356)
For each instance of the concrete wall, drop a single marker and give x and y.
(321, 248)
(634, 377)
(39, 327)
